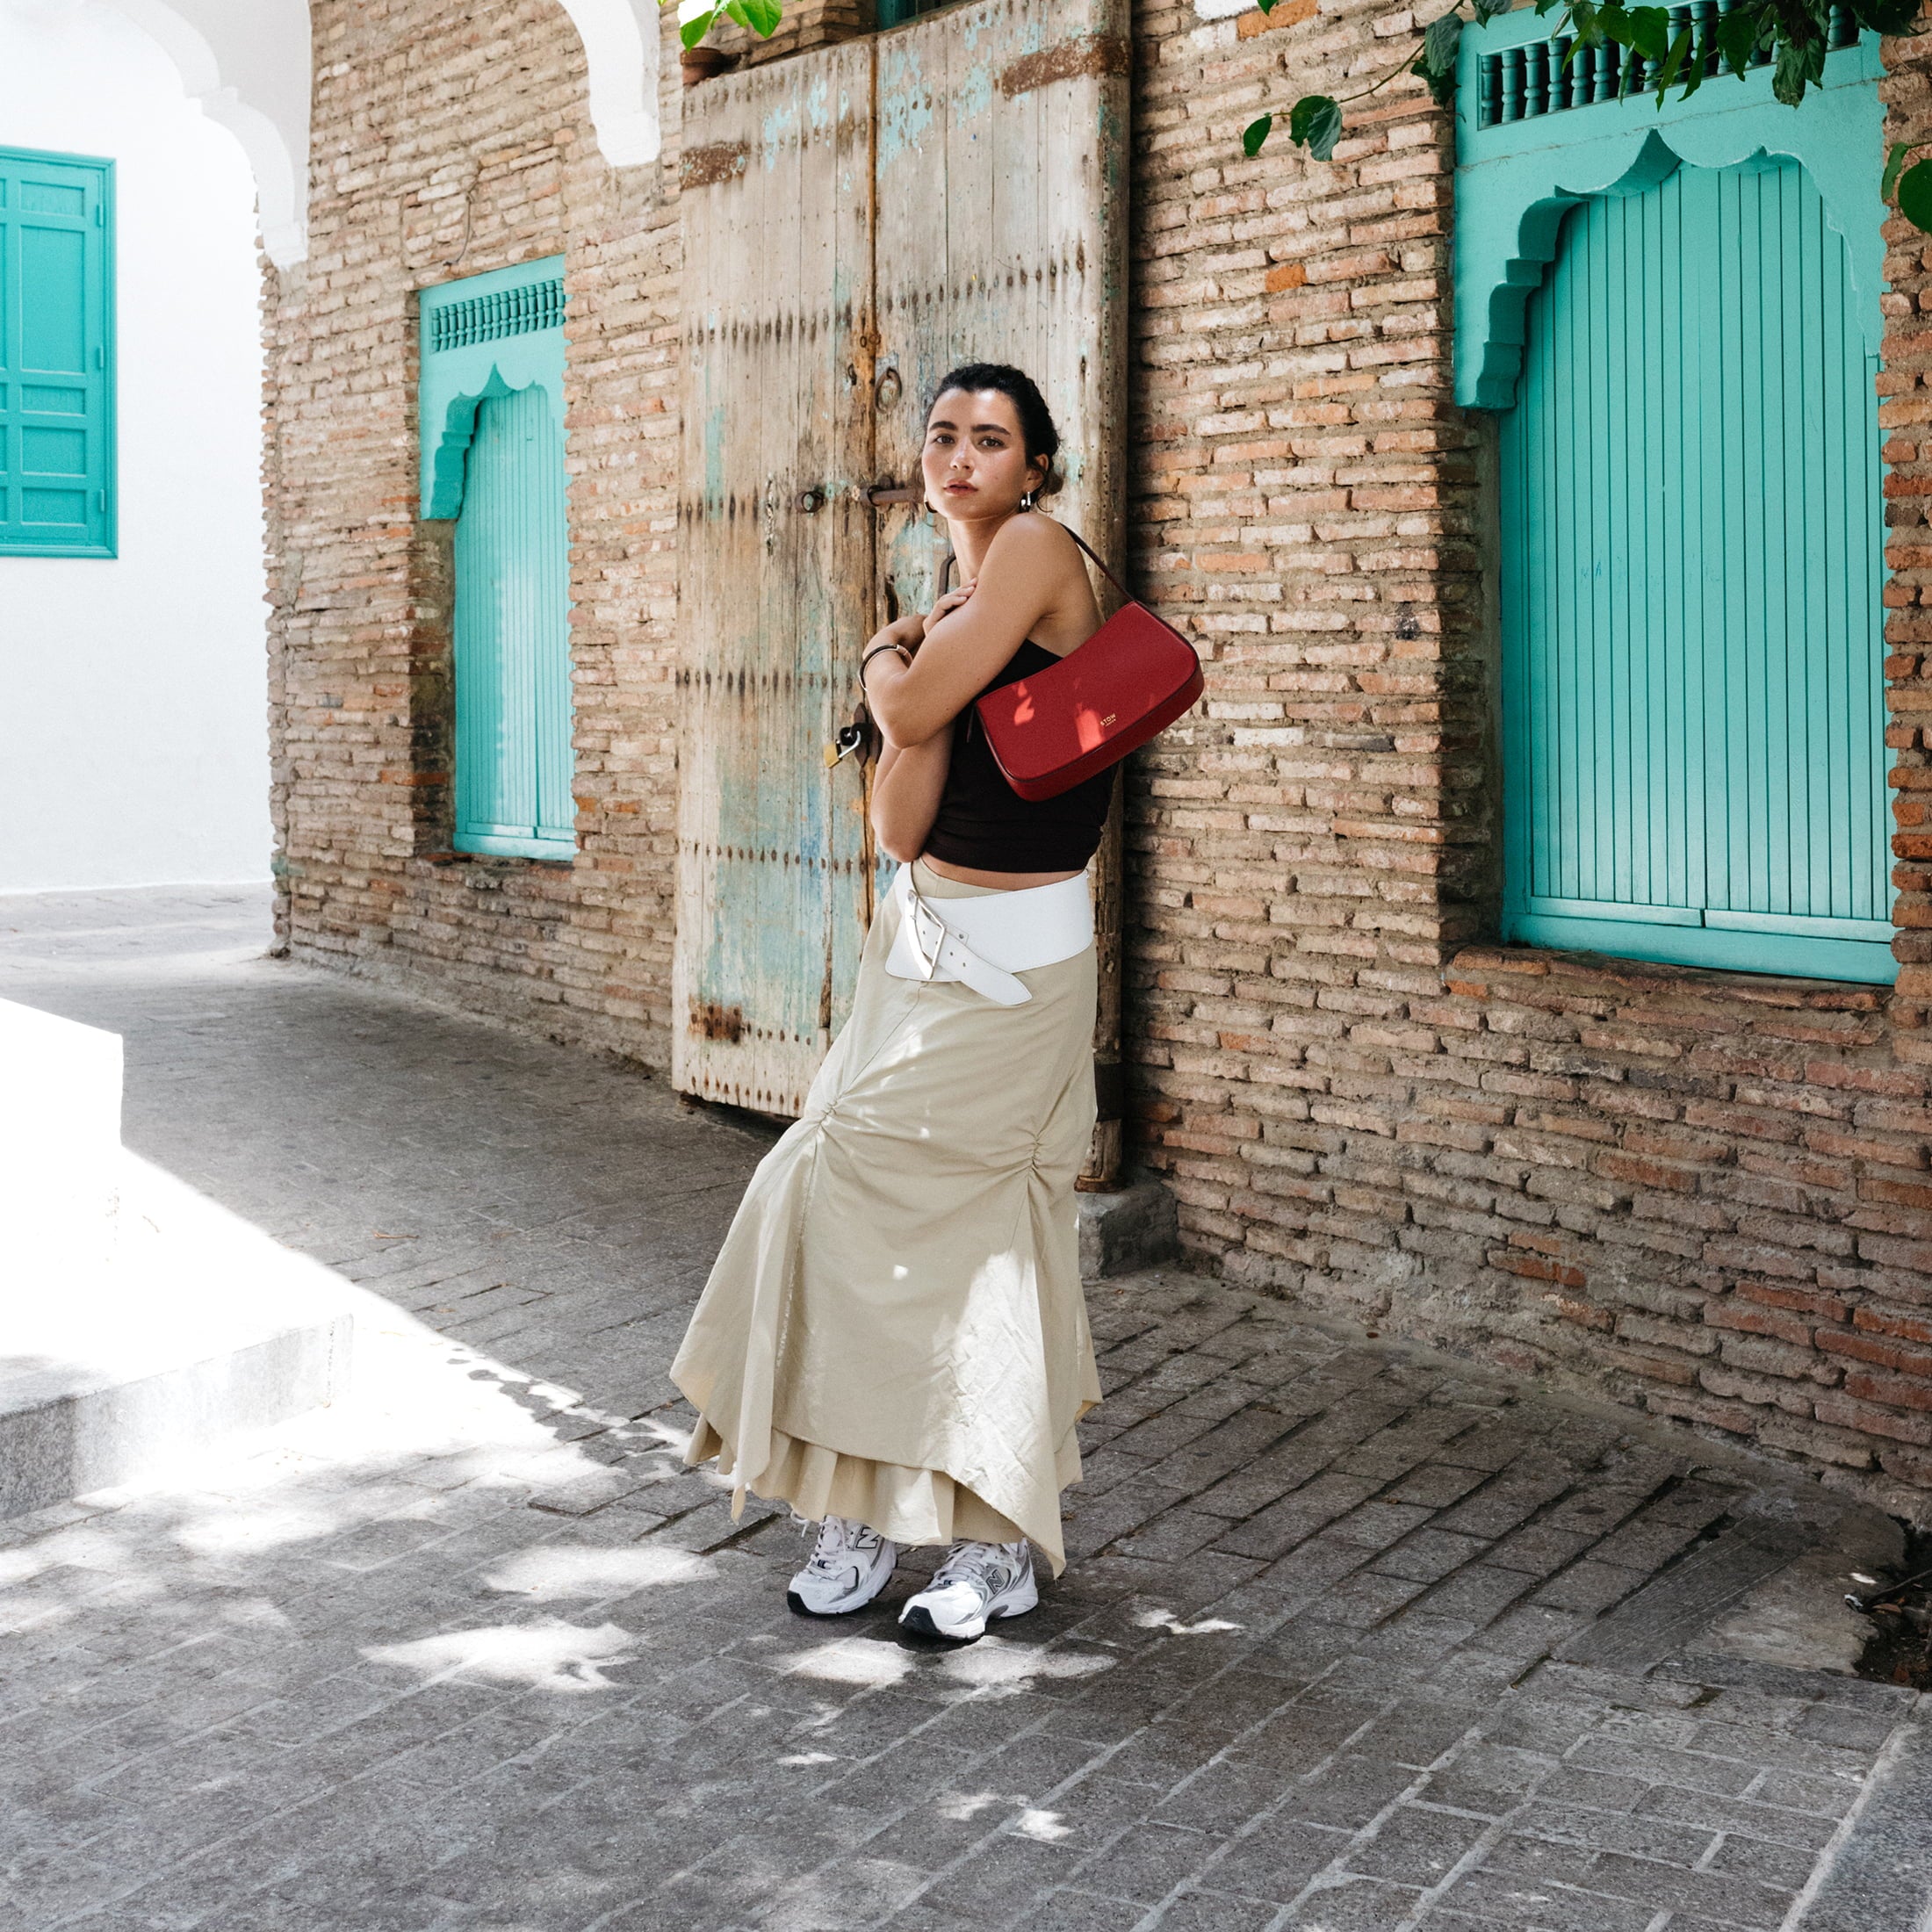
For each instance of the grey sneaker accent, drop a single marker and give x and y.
(849, 1565)
(977, 1584)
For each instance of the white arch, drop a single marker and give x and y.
(247, 63)
(620, 40)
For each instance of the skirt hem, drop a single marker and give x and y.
(913, 1507)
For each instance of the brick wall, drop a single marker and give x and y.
(449, 141)
(1706, 1193)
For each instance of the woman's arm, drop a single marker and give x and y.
(1023, 578)
(906, 785)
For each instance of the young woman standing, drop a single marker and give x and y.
(893, 1338)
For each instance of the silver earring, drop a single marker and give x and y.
(1026, 502)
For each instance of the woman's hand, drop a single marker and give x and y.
(949, 602)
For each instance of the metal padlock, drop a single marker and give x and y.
(851, 738)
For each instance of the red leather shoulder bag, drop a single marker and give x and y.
(1126, 684)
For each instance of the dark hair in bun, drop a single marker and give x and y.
(1036, 430)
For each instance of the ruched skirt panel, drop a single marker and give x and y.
(894, 1329)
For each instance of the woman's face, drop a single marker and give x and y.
(975, 461)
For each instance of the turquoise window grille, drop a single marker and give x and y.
(491, 421)
(56, 355)
(896, 13)
(1678, 320)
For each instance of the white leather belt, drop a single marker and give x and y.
(983, 941)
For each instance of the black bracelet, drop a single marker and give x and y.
(879, 650)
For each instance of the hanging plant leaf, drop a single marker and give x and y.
(1439, 44)
(1915, 195)
(1647, 30)
(695, 28)
(1441, 86)
(1798, 65)
(1315, 122)
(1585, 25)
(1736, 37)
(760, 17)
(1673, 62)
(1254, 133)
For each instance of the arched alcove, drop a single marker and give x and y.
(247, 63)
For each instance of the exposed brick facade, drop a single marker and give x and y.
(450, 141)
(1706, 1191)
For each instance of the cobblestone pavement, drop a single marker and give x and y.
(1354, 1638)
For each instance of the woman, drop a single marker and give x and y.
(893, 1339)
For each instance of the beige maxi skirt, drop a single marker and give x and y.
(894, 1330)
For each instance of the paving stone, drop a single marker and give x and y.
(1069, 1910)
(1348, 1791)
(1505, 1897)
(1202, 1909)
(1273, 1859)
(472, 1651)
(1353, 1905)
(1416, 1845)
(1150, 1860)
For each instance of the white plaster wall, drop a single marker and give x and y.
(134, 730)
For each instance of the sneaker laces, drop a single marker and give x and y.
(838, 1541)
(988, 1567)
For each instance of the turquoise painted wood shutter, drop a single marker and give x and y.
(492, 457)
(1691, 559)
(513, 750)
(56, 356)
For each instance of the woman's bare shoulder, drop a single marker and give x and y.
(1035, 542)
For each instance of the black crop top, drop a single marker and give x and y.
(984, 824)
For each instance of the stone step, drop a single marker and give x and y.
(1123, 1232)
(139, 1320)
(198, 1325)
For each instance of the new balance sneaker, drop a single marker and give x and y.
(849, 1565)
(977, 1584)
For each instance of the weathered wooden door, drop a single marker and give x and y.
(856, 220)
(773, 856)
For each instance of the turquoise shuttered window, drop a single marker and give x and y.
(56, 355)
(492, 457)
(1691, 519)
(1694, 710)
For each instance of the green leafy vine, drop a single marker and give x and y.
(1795, 34)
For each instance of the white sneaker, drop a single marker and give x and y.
(849, 1565)
(976, 1584)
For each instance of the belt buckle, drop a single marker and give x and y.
(916, 907)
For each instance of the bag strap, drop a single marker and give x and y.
(1127, 596)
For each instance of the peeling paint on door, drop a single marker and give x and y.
(953, 190)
